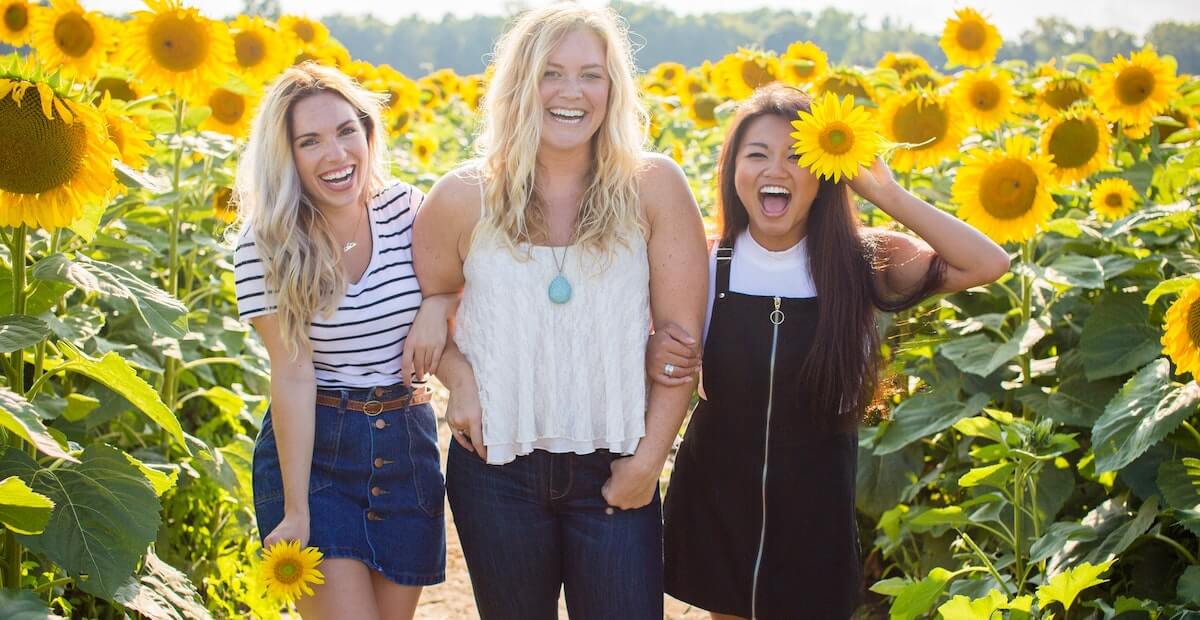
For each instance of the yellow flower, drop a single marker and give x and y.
(1078, 143)
(261, 51)
(233, 108)
(986, 96)
(925, 119)
(117, 83)
(1133, 91)
(835, 138)
(16, 21)
(804, 63)
(703, 110)
(669, 74)
(1181, 332)
(222, 209)
(171, 47)
(287, 570)
(922, 78)
(67, 36)
(1059, 93)
(1005, 193)
(903, 63)
(1113, 198)
(423, 147)
(738, 74)
(132, 142)
(471, 89)
(843, 81)
(970, 40)
(62, 162)
(309, 32)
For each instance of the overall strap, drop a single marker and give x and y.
(724, 261)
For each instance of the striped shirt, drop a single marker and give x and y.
(361, 343)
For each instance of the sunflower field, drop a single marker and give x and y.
(1033, 452)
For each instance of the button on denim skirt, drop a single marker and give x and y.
(376, 492)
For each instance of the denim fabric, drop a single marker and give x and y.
(539, 523)
(375, 492)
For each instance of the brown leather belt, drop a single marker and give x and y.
(374, 407)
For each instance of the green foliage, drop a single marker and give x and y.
(21, 509)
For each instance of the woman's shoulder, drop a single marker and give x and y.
(662, 185)
(458, 194)
(395, 194)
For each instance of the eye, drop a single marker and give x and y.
(756, 155)
(349, 130)
(593, 76)
(551, 73)
(307, 142)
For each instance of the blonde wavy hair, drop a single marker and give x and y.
(511, 131)
(300, 257)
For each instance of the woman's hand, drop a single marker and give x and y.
(671, 344)
(426, 338)
(875, 183)
(632, 483)
(464, 414)
(294, 526)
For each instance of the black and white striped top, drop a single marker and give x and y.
(361, 343)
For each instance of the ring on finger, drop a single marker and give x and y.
(668, 369)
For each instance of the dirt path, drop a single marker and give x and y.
(453, 599)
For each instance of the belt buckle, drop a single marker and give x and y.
(367, 406)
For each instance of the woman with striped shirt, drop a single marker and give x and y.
(346, 459)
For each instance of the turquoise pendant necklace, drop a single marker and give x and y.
(559, 290)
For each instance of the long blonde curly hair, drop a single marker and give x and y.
(300, 257)
(511, 131)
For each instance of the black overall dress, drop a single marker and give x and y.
(810, 564)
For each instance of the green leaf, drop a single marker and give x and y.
(162, 482)
(883, 480)
(963, 608)
(22, 510)
(1065, 587)
(19, 331)
(953, 516)
(42, 297)
(162, 592)
(1056, 537)
(918, 598)
(997, 475)
(117, 375)
(1116, 337)
(104, 517)
(1077, 401)
(1077, 271)
(79, 406)
(980, 355)
(1181, 491)
(891, 586)
(161, 312)
(20, 417)
(924, 415)
(1146, 409)
(1188, 588)
(1174, 286)
(979, 426)
(24, 605)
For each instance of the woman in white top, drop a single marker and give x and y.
(566, 239)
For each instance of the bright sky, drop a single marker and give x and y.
(1011, 16)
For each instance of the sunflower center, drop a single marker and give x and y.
(116, 88)
(1061, 95)
(919, 78)
(971, 35)
(16, 17)
(51, 151)
(802, 68)
(288, 572)
(842, 86)
(985, 96)
(227, 106)
(1193, 323)
(1134, 85)
(755, 75)
(837, 139)
(705, 107)
(669, 73)
(249, 48)
(305, 31)
(920, 121)
(1008, 188)
(178, 44)
(1114, 200)
(1074, 143)
(74, 35)
(905, 65)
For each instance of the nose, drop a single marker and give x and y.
(335, 152)
(572, 88)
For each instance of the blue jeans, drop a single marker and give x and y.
(540, 523)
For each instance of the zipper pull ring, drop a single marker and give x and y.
(777, 315)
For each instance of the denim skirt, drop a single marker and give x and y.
(376, 492)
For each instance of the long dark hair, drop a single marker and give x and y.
(841, 371)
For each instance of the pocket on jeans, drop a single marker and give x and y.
(424, 459)
(266, 477)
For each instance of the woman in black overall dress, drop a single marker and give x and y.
(759, 514)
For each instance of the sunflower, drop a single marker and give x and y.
(287, 570)
(1059, 93)
(843, 81)
(471, 90)
(922, 78)
(64, 163)
(171, 47)
(968, 39)
(309, 32)
(222, 209)
(1180, 116)
(1113, 198)
(835, 138)
(738, 74)
(260, 50)
(404, 96)
(1133, 91)
(1078, 143)
(703, 110)
(668, 76)
(803, 63)
(361, 70)
(903, 63)
(423, 147)
(116, 83)
(131, 140)
(1005, 193)
(67, 36)
(986, 97)
(923, 118)
(16, 21)
(1181, 332)
(232, 108)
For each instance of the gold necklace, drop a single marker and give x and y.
(351, 244)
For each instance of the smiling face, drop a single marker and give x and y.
(574, 91)
(775, 191)
(329, 146)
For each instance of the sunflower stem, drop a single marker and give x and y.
(170, 372)
(17, 252)
(1027, 252)
(39, 358)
